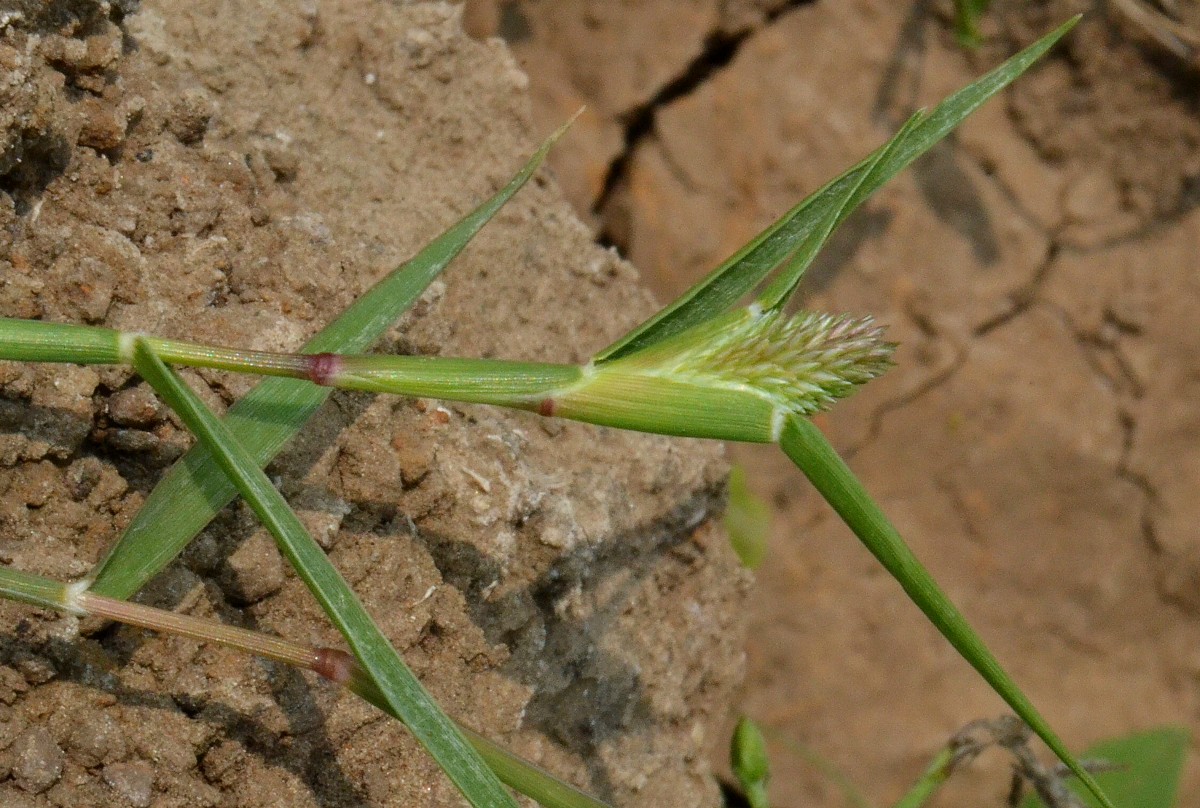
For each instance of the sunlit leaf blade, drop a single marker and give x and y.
(788, 278)
(522, 775)
(726, 284)
(404, 694)
(747, 521)
(1147, 769)
(930, 781)
(194, 489)
(812, 454)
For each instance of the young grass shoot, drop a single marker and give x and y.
(705, 366)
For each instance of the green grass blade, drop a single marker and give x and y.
(811, 452)
(930, 781)
(835, 212)
(528, 779)
(404, 694)
(725, 285)
(195, 489)
(1148, 768)
(747, 521)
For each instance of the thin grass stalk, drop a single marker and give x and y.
(930, 781)
(331, 664)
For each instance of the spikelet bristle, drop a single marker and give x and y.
(805, 363)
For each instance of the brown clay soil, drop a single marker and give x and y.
(1039, 441)
(238, 173)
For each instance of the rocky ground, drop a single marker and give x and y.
(238, 173)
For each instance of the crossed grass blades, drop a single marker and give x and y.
(703, 367)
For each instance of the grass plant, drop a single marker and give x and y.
(705, 366)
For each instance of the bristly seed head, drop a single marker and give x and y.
(804, 363)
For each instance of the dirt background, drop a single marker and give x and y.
(238, 173)
(1039, 442)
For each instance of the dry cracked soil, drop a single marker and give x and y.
(1038, 442)
(239, 172)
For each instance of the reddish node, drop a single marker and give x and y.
(547, 407)
(333, 664)
(323, 368)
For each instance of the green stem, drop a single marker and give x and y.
(613, 395)
(37, 341)
(931, 780)
(811, 452)
(34, 590)
(194, 489)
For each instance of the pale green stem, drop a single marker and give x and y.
(614, 395)
(254, 642)
(35, 590)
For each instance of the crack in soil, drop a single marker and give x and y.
(719, 50)
(1126, 388)
(1139, 481)
(1023, 298)
(921, 389)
